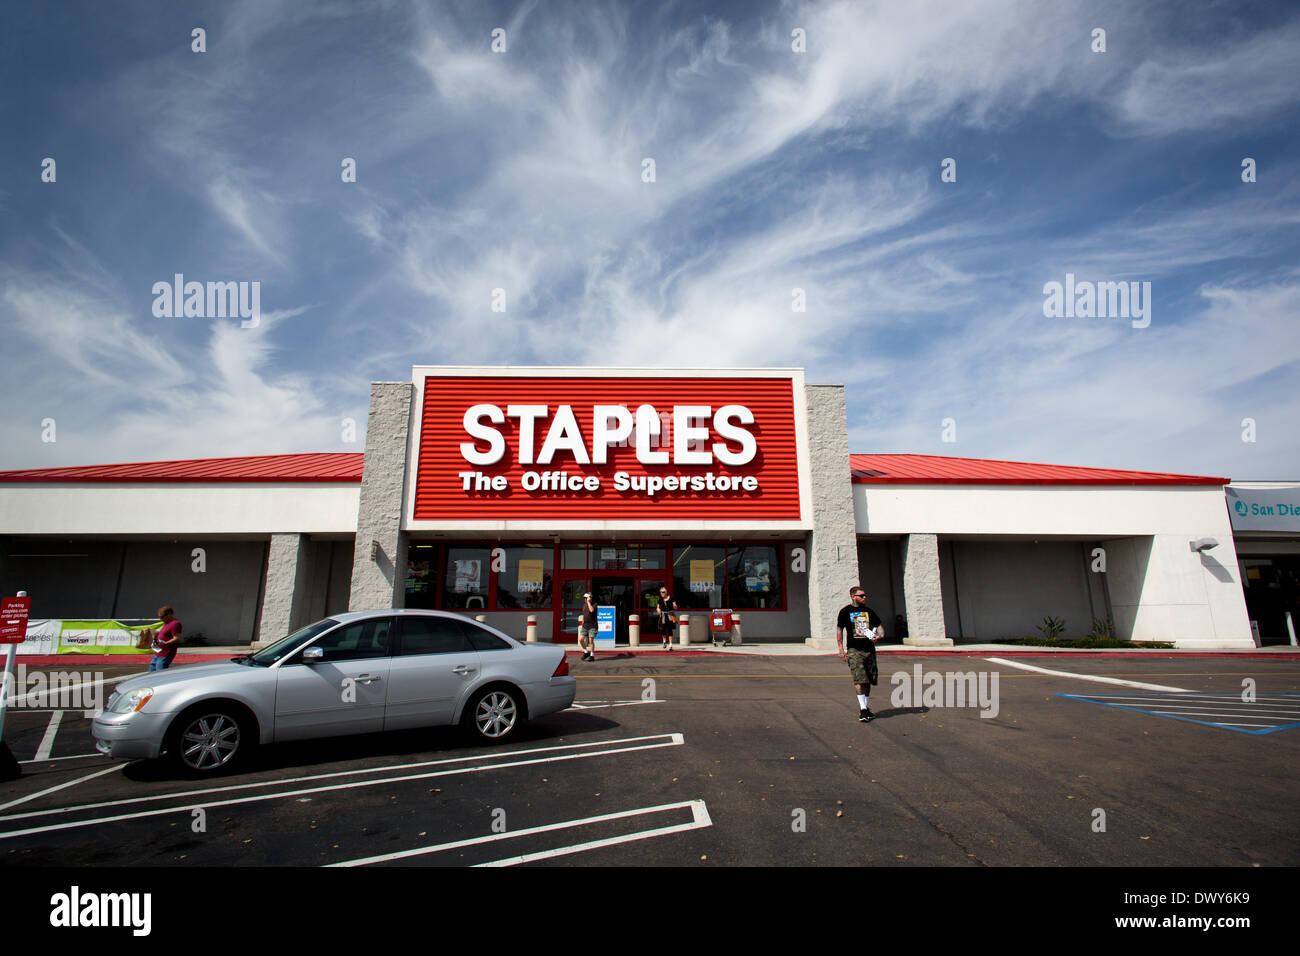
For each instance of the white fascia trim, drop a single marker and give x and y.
(421, 372)
(557, 526)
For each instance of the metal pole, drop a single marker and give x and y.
(9, 767)
(8, 679)
(4, 691)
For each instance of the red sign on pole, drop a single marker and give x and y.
(13, 619)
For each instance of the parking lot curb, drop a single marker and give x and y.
(752, 650)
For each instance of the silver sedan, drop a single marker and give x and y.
(352, 673)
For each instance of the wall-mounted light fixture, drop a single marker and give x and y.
(1203, 544)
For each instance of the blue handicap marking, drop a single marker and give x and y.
(1266, 714)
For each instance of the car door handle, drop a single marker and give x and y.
(463, 669)
(368, 678)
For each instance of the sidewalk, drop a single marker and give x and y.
(983, 650)
(198, 655)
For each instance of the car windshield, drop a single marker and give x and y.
(287, 645)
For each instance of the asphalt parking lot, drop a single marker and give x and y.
(707, 760)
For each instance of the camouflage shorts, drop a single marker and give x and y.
(862, 665)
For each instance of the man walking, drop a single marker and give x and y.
(860, 627)
(587, 628)
(667, 609)
(166, 640)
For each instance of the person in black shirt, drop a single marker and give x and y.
(859, 626)
(587, 628)
(667, 617)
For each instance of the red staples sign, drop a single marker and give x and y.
(593, 448)
(13, 619)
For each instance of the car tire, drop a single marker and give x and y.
(494, 714)
(208, 740)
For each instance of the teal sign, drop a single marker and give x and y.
(1264, 509)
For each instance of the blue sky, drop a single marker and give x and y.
(774, 170)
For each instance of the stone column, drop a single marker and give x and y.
(284, 596)
(379, 561)
(833, 543)
(923, 592)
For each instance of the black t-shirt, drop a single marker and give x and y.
(667, 607)
(860, 623)
(586, 618)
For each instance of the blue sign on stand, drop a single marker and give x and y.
(605, 627)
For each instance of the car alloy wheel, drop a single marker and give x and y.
(209, 742)
(495, 714)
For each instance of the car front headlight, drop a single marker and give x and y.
(130, 701)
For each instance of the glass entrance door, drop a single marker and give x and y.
(1272, 589)
(571, 591)
(620, 593)
(626, 577)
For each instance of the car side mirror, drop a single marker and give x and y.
(313, 654)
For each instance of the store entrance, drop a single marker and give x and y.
(1272, 589)
(619, 593)
(628, 592)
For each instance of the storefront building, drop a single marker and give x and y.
(521, 489)
(509, 492)
(1266, 533)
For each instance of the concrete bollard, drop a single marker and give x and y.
(634, 630)
(532, 629)
(481, 618)
(735, 629)
(683, 629)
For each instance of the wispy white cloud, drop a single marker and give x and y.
(775, 170)
(120, 390)
(1230, 82)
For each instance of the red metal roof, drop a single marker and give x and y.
(867, 469)
(941, 470)
(325, 467)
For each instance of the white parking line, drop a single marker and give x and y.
(1213, 710)
(71, 757)
(1203, 709)
(62, 786)
(595, 704)
(1092, 677)
(1260, 706)
(47, 742)
(698, 813)
(333, 774)
(676, 741)
(1179, 712)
